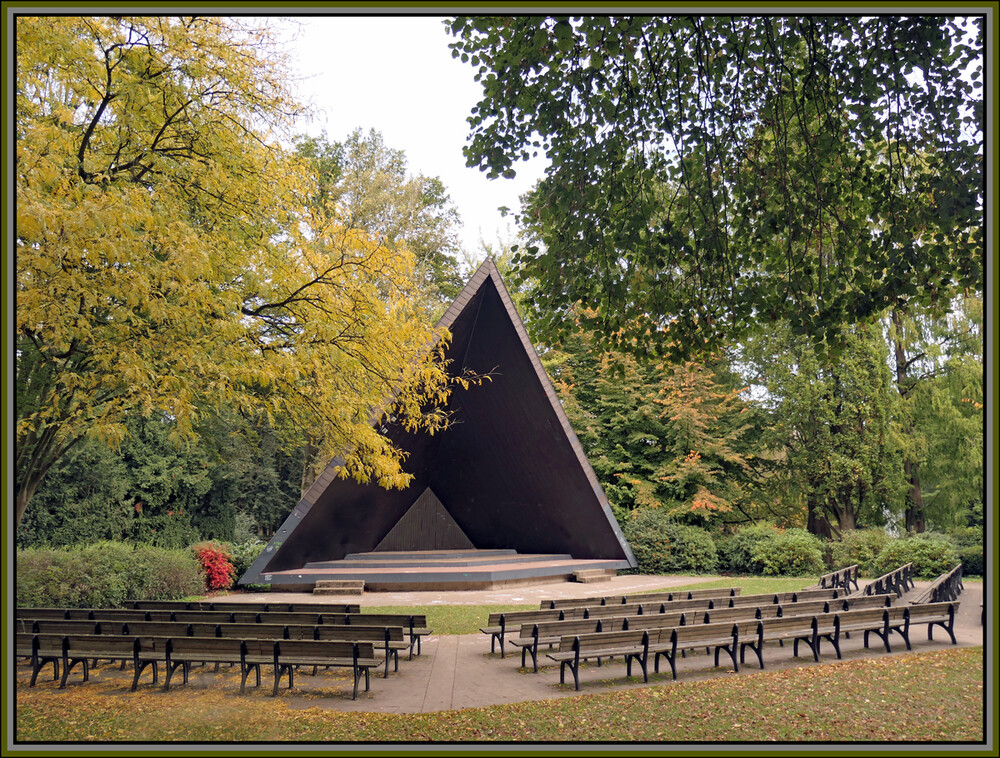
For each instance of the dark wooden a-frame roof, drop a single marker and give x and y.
(508, 473)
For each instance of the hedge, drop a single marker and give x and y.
(662, 546)
(104, 575)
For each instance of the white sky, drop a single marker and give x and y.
(396, 75)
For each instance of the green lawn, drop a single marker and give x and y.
(925, 698)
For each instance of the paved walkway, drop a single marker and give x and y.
(458, 671)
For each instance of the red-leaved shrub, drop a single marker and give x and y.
(216, 565)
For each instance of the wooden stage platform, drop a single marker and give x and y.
(387, 571)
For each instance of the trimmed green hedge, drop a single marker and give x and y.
(662, 546)
(104, 575)
(792, 552)
(931, 556)
(861, 547)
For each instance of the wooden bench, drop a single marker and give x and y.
(40, 650)
(721, 636)
(901, 618)
(946, 588)
(668, 597)
(414, 626)
(498, 624)
(107, 614)
(42, 613)
(288, 654)
(897, 581)
(532, 636)
(183, 651)
(386, 640)
(754, 633)
(82, 648)
(867, 620)
(631, 645)
(845, 578)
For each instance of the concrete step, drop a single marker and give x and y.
(588, 576)
(339, 587)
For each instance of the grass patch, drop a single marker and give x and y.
(917, 697)
(469, 619)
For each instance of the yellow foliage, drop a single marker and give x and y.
(168, 261)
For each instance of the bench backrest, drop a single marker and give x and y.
(697, 633)
(357, 632)
(42, 644)
(863, 616)
(59, 626)
(324, 608)
(916, 613)
(572, 626)
(230, 647)
(839, 578)
(516, 618)
(252, 631)
(160, 629)
(108, 614)
(80, 645)
(604, 640)
(318, 650)
(863, 601)
(406, 621)
(807, 608)
(209, 617)
(667, 596)
(41, 613)
(659, 620)
(639, 609)
(739, 613)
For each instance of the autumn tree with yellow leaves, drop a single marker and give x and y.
(168, 261)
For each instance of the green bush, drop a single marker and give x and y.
(931, 556)
(662, 546)
(103, 575)
(736, 553)
(972, 560)
(243, 554)
(967, 536)
(792, 552)
(861, 547)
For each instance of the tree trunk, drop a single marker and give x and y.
(817, 522)
(310, 466)
(915, 518)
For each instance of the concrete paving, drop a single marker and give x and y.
(458, 671)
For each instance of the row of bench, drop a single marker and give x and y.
(388, 640)
(415, 625)
(230, 605)
(499, 625)
(846, 577)
(898, 580)
(285, 655)
(533, 635)
(734, 638)
(945, 588)
(643, 597)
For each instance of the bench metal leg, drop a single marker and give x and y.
(69, 664)
(756, 649)
(245, 671)
(140, 666)
(731, 649)
(38, 664)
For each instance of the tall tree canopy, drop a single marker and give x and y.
(717, 171)
(169, 261)
(366, 183)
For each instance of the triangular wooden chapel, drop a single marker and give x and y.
(504, 495)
